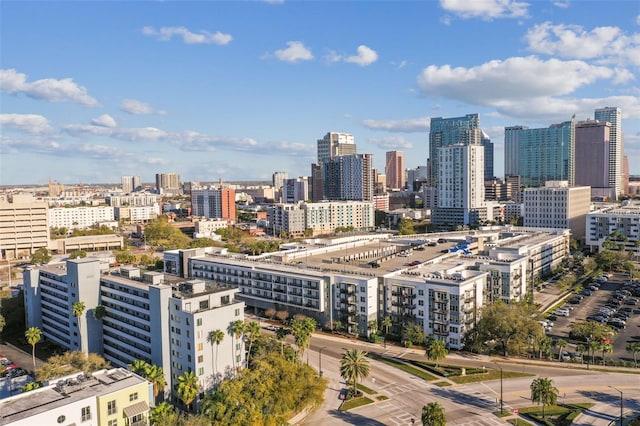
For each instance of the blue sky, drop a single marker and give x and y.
(90, 91)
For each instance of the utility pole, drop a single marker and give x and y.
(621, 404)
(501, 400)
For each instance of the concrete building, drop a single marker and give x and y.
(416, 178)
(488, 156)
(138, 214)
(557, 205)
(394, 170)
(80, 217)
(334, 144)
(137, 199)
(87, 243)
(348, 177)
(161, 319)
(295, 190)
(206, 228)
(593, 158)
(278, 179)
(131, 184)
(327, 216)
(460, 185)
(541, 155)
(104, 398)
(287, 218)
(215, 203)
(613, 116)
(623, 219)
(168, 183)
(24, 226)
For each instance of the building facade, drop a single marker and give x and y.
(80, 217)
(131, 184)
(394, 170)
(168, 183)
(593, 158)
(613, 116)
(215, 203)
(334, 144)
(623, 219)
(348, 177)
(24, 226)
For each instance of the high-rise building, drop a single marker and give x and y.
(334, 144)
(278, 179)
(613, 116)
(130, 184)
(512, 150)
(294, 190)
(449, 131)
(416, 178)
(348, 177)
(460, 189)
(317, 183)
(168, 183)
(24, 226)
(545, 154)
(395, 170)
(592, 157)
(488, 156)
(217, 203)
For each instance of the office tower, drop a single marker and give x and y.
(545, 154)
(278, 179)
(379, 182)
(449, 131)
(417, 177)
(168, 183)
(512, 150)
(460, 189)
(592, 157)
(613, 116)
(294, 190)
(317, 183)
(24, 226)
(130, 184)
(625, 175)
(348, 177)
(217, 203)
(334, 144)
(556, 205)
(394, 170)
(488, 156)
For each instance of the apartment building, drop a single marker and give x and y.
(138, 199)
(138, 214)
(104, 398)
(623, 219)
(24, 226)
(216, 203)
(80, 217)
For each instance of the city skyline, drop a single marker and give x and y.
(91, 91)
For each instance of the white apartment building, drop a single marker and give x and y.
(153, 317)
(287, 218)
(80, 217)
(624, 219)
(206, 228)
(136, 214)
(294, 190)
(613, 116)
(130, 183)
(557, 205)
(24, 226)
(103, 398)
(138, 199)
(334, 144)
(326, 216)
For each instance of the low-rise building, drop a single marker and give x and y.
(621, 219)
(79, 217)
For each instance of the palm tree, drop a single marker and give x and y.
(634, 348)
(162, 414)
(436, 350)
(253, 332)
(302, 330)
(353, 366)
(386, 323)
(139, 367)
(605, 348)
(543, 391)
(155, 375)
(33, 336)
(237, 329)
(560, 344)
(281, 334)
(77, 309)
(433, 415)
(188, 388)
(215, 338)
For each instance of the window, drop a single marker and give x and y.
(224, 300)
(113, 422)
(111, 407)
(86, 413)
(200, 358)
(189, 358)
(237, 312)
(133, 396)
(200, 347)
(204, 304)
(199, 322)
(201, 371)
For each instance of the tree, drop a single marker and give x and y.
(270, 313)
(70, 363)
(405, 227)
(605, 347)
(40, 256)
(387, 324)
(282, 316)
(253, 332)
(301, 329)
(237, 329)
(33, 336)
(99, 312)
(543, 392)
(188, 388)
(560, 344)
(413, 333)
(281, 334)
(155, 375)
(77, 310)
(163, 414)
(433, 415)
(353, 366)
(634, 348)
(3, 323)
(436, 350)
(78, 254)
(139, 367)
(215, 338)
(31, 386)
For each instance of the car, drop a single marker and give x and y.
(577, 356)
(374, 264)
(597, 318)
(631, 301)
(560, 313)
(575, 301)
(565, 356)
(552, 317)
(432, 244)
(586, 292)
(626, 309)
(405, 254)
(419, 248)
(593, 288)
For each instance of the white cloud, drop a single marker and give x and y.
(273, 1)
(136, 107)
(29, 123)
(295, 149)
(638, 19)
(486, 9)
(517, 78)
(153, 161)
(105, 120)
(295, 51)
(573, 41)
(188, 37)
(365, 56)
(48, 89)
(562, 4)
(391, 142)
(413, 125)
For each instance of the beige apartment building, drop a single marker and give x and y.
(23, 226)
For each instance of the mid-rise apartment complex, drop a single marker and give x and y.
(216, 203)
(80, 217)
(131, 184)
(168, 183)
(592, 157)
(623, 220)
(24, 226)
(348, 177)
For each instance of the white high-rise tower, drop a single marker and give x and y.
(613, 116)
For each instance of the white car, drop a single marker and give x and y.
(560, 313)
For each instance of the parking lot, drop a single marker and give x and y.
(590, 306)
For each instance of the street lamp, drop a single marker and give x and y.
(501, 400)
(621, 406)
(320, 360)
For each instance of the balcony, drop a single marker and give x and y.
(349, 290)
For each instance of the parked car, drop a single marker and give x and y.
(565, 356)
(631, 301)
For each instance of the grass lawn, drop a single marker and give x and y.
(442, 384)
(404, 367)
(365, 389)
(559, 415)
(354, 403)
(489, 375)
(519, 422)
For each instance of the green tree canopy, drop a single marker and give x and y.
(405, 227)
(78, 254)
(33, 335)
(354, 365)
(433, 415)
(436, 350)
(161, 233)
(69, 363)
(188, 387)
(40, 256)
(543, 392)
